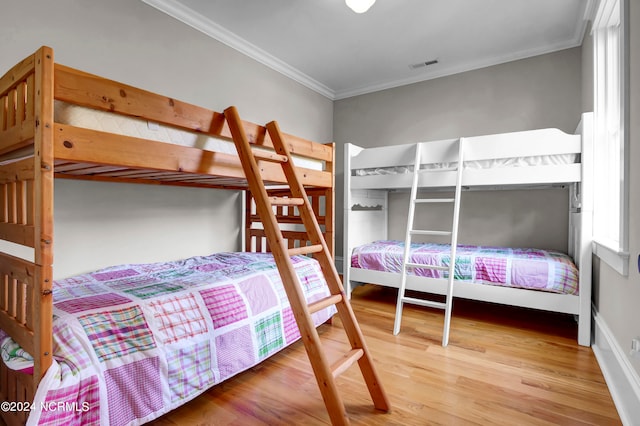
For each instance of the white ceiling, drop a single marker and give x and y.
(338, 53)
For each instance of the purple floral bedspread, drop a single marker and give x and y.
(133, 342)
(513, 267)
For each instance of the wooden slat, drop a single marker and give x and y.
(4, 288)
(269, 156)
(29, 301)
(11, 202)
(3, 114)
(10, 306)
(21, 103)
(80, 168)
(203, 182)
(288, 219)
(285, 201)
(17, 137)
(4, 202)
(20, 170)
(324, 303)
(21, 212)
(19, 234)
(304, 250)
(30, 107)
(343, 364)
(11, 108)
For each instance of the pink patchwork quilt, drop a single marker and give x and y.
(132, 342)
(513, 267)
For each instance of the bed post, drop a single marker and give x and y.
(583, 252)
(26, 220)
(43, 157)
(329, 208)
(346, 197)
(365, 215)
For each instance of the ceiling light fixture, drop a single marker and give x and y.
(360, 6)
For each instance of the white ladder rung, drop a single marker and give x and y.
(427, 232)
(434, 200)
(422, 302)
(423, 266)
(439, 169)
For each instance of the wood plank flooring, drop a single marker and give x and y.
(503, 366)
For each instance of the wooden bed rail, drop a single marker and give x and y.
(89, 154)
(91, 91)
(26, 218)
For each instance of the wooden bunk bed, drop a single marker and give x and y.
(38, 145)
(537, 159)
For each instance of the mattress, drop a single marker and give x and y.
(132, 342)
(88, 118)
(527, 268)
(531, 161)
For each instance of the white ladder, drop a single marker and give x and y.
(407, 264)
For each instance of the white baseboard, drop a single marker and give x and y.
(622, 379)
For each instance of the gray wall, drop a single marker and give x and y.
(103, 224)
(617, 297)
(539, 92)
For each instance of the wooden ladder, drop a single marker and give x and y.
(325, 372)
(408, 264)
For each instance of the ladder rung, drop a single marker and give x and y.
(286, 201)
(319, 305)
(423, 266)
(422, 302)
(346, 361)
(427, 232)
(269, 156)
(439, 169)
(305, 250)
(434, 200)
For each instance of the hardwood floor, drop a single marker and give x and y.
(503, 366)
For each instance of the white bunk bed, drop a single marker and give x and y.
(524, 159)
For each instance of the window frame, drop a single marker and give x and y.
(611, 120)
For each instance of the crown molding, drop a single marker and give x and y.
(469, 66)
(203, 24)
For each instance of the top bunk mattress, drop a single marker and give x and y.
(532, 161)
(89, 118)
(528, 268)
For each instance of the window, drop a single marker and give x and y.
(610, 226)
